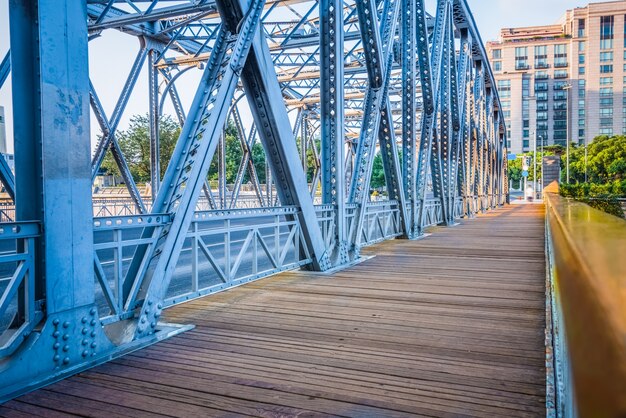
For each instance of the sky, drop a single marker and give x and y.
(117, 51)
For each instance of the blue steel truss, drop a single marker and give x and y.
(322, 86)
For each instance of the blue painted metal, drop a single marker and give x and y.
(5, 68)
(359, 77)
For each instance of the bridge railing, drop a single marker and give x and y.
(222, 249)
(20, 312)
(586, 250)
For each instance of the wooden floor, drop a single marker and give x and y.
(451, 325)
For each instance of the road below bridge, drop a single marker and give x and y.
(450, 325)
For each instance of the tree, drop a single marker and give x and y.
(606, 160)
(135, 145)
(234, 155)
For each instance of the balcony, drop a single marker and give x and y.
(541, 65)
(558, 75)
(522, 67)
(560, 64)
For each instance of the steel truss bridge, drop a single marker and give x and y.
(338, 80)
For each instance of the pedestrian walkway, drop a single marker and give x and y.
(450, 325)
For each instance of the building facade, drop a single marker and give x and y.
(566, 80)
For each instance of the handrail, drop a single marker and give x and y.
(587, 250)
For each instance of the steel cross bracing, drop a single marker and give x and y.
(313, 91)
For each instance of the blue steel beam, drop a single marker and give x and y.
(5, 68)
(332, 120)
(53, 188)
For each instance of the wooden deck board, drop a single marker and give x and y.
(451, 325)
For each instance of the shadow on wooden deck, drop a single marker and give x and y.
(451, 325)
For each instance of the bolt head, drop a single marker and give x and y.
(66, 360)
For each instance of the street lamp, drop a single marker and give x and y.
(567, 88)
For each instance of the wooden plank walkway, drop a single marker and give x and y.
(451, 325)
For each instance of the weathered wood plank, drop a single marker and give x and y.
(451, 325)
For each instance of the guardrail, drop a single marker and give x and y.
(586, 252)
(20, 312)
(223, 249)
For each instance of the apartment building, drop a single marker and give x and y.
(566, 80)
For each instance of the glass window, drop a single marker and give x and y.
(606, 80)
(581, 46)
(581, 70)
(606, 91)
(606, 68)
(581, 28)
(497, 65)
(521, 58)
(606, 27)
(606, 56)
(560, 74)
(606, 131)
(496, 54)
(560, 55)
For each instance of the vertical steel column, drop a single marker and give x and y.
(155, 152)
(332, 120)
(53, 186)
(52, 145)
(408, 42)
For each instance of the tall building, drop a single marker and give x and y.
(566, 80)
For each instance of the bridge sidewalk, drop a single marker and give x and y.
(451, 325)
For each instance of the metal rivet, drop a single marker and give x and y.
(66, 360)
(85, 330)
(56, 358)
(56, 334)
(94, 344)
(55, 321)
(83, 320)
(65, 337)
(56, 346)
(93, 322)
(85, 353)
(66, 324)
(93, 333)
(66, 347)
(92, 311)
(85, 342)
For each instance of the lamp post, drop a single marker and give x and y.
(567, 88)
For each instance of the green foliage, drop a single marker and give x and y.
(234, 155)
(515, 166)
(378, 172)
(606, 160)
(600, 196)
(135, 145)
(608, 205)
